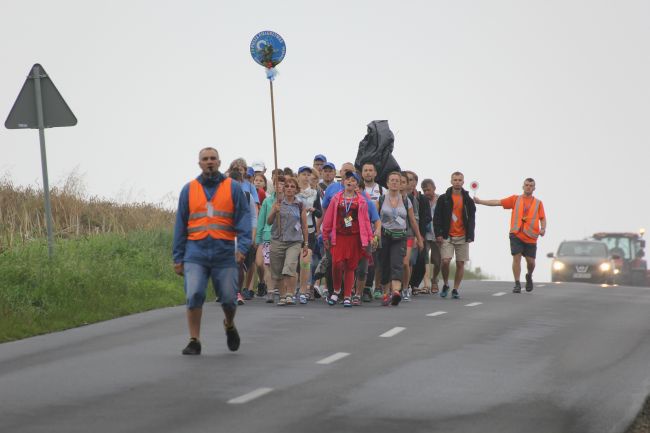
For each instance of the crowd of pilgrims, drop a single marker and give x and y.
(339, 236)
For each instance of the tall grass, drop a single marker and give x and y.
(75, 213)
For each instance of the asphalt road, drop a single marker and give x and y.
(565, 358)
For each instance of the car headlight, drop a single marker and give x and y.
(605, 267)
(558, 266)
(616, 271)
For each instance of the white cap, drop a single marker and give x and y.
(258, 166)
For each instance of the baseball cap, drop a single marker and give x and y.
(329, 165)
(304, 168)
(353, 174)
(320, 157)
(258, 166)
(250, 171)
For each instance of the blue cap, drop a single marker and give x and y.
(305, 168)
(329, 165)
(320, 157)
(353, 174)
(250, 171)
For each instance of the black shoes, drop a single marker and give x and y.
(444, 291)
(193, 347)
(455, 294)
(517, 288)
(261, 289)
(529, 283)
(232, 336)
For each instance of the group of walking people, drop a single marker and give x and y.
(308, 235)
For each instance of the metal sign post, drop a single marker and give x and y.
(38, 106)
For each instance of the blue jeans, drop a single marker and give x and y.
(224, 281)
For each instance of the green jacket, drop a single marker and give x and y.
(264, 229)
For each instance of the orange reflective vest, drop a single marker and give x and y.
(215, 218)
(530, 227)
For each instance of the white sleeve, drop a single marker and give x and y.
(253, 207)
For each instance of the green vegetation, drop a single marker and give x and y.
(90, 279)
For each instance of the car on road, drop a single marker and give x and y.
(583, 260)
(627, 249)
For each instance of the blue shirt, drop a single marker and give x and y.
(212, 252)
(337, 187)
(246, 186)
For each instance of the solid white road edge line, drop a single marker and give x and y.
(333, 358)
(473, 304)
(500, 294)
(437, 313)
(396, 330)
(250, 396)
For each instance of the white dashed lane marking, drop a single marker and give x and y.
(541, 285)
(333, 358)
(437, 313)
(473, 304)
(396, 330)
(499, 294)
(259, 392)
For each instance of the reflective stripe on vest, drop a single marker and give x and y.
(530, 227)
(214, 219)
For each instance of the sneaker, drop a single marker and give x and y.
(240, 299)
(262, 290)
(232, 336)
(193, 347)
(517, 288)
(445, 290)
(378, 295)
(303, 298)
(529, 283)
(290, 300)
(270, 298)
(248, 294)
(406, 295)
(455, 294)
(367, 296)
(396, 298)
(347, 302)
(317, 292)
(385, 300)
(333, 299)
(356, 301)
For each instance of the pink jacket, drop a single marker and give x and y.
(331, 214)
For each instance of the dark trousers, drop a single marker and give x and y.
(391, 257)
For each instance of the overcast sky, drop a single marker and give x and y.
(500, 90)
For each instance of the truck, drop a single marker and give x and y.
(627, 249)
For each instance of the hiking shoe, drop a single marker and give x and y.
(240, 299)
(193, 347)
(232, 336)
(367, 296)
(396, 298)
(385, 300)
(261, 289)
(517, 288)
(445, 291)
(356, 301)
(529, 283)
(248, 294)
(455, 294)
(378, 295)
(347, 302)
(333, 299)
(303, 298)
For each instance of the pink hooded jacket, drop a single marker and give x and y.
(331, 215)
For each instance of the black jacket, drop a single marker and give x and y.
(442, 216)
(424, 212)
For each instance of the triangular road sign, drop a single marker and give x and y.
(55, 111)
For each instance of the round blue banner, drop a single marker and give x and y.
(268, 48)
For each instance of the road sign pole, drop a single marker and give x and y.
(41, 135)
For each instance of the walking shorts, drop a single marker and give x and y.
(457, 246)
(517, 246)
